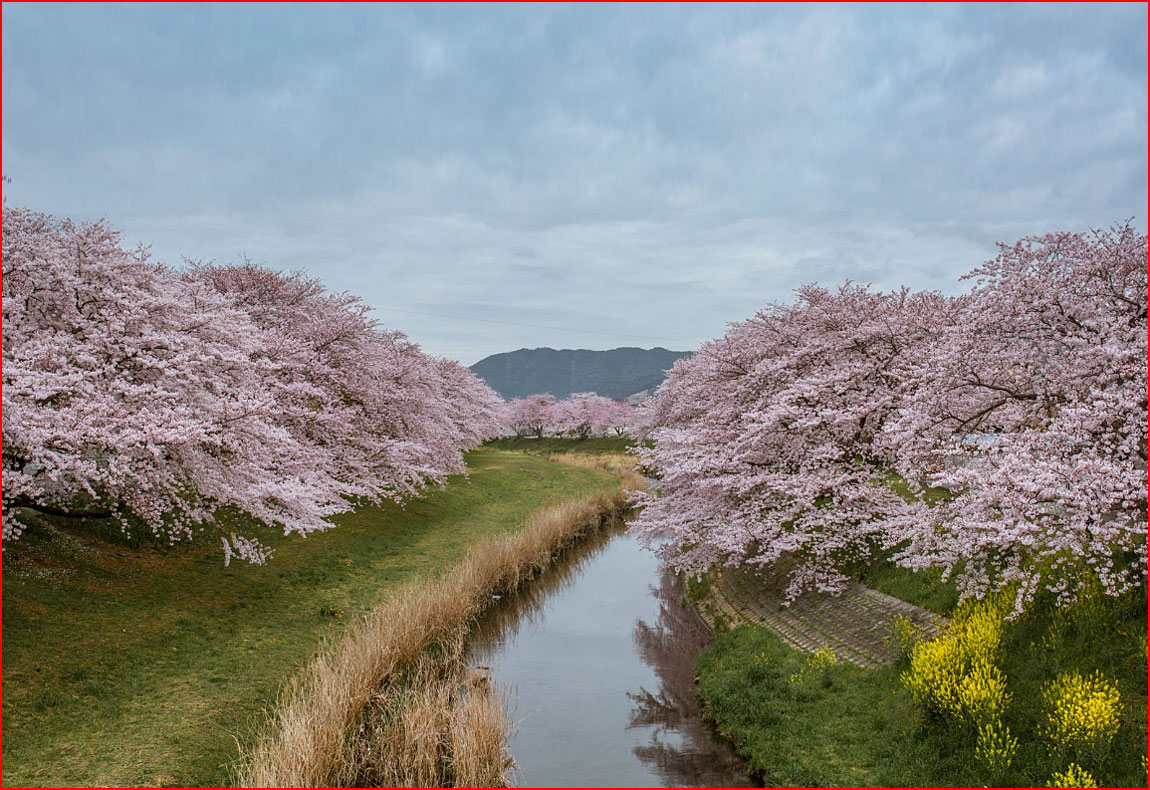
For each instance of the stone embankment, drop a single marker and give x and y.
(856, 625)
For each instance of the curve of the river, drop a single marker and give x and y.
(599, 652)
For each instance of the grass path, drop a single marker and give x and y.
(144, 666)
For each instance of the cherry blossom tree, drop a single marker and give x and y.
(390, 418)
(1025, 399)
(618, 416)
(1031, 408)
(582, 414)
(132, 389)
(531, 415)
(475, 413)
(129, 389)
(768, 441)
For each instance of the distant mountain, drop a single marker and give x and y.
(613, 374)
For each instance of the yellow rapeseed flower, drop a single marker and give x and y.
(982, 694)
(955, 673)
(1083, 714)
(822, 658)
(1074, 776)
(995, 748)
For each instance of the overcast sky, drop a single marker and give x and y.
(640, 174)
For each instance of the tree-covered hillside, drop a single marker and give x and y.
(613, 374)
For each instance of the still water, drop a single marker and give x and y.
(599, 653)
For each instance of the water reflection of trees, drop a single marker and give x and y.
(501, 623)
(683, 750)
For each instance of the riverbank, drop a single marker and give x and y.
(801, 719)
(144, 666)
(393, 685)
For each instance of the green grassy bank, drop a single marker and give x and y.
(144, 666)
(804, 725)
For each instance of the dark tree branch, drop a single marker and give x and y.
(51, 510)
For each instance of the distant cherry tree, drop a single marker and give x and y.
(582, 414)
(618, 416)
(532, 415)
(579, 415)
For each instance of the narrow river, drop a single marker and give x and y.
(599, 653)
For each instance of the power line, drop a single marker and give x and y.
(530, 326)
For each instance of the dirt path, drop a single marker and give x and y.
(856, 625)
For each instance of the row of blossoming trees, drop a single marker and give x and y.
(580, 415)
(157, 396)
(811, 432)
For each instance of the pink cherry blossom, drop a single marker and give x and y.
(767, 440)
(580, 415)
(1025, 398)
(531, 415)
(1031, 408)
(131, 388)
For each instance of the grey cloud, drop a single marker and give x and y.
(628, 169)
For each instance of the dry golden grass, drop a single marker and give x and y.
(320, 731)
(440, 724)
(479, 736)
(620, 464)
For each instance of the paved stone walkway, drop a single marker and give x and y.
(856, 625)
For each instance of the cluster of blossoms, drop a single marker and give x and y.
(955, 674)
(135, 390)
(581, 415)
(1074, 776)
(1000, 435)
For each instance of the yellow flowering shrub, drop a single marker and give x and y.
(995, 748)
(936, 669)
(817, 662)
(954, 674)
(982, 694)
(1083, 715)
(822, 658)
(1074, 776)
